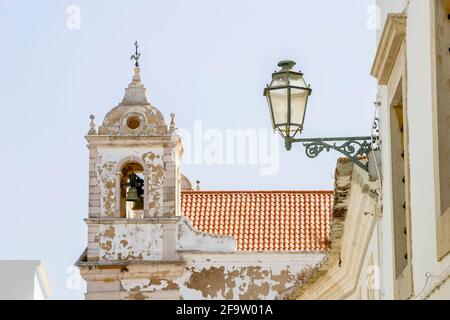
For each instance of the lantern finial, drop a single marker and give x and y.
(286, 64)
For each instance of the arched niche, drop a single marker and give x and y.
(124, 170)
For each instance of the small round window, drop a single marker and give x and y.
(133, 122)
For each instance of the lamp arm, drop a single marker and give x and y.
(352, 147)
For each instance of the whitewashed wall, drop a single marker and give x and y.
(422, 139)
(422, 158)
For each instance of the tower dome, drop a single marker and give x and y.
(134, 115)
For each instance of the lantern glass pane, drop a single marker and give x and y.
(278, 100)
(280, 79)
(299, 99)
(297, 80)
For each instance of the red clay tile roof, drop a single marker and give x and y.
(263, 220)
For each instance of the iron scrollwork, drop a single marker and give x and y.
(352, 148)
(376, 141)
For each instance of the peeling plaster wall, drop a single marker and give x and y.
(106, 169)
(192, 239)
(107, 183)
(148, 285)
(131, 242)
(155, 165)
(206, 266)
(157, 239)
(248, 276)
(161, 256)
(203, 276)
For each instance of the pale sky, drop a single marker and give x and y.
(203, 60)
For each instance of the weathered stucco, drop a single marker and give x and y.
(148, 285)
(155, 176)
(150, 239)
(124, 242)
(190, 239)
(107, 183)
(219, 276)
(123, 252)
(107, 169)
(135, 103)
(248, 276)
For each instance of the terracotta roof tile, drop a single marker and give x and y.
(263, 220)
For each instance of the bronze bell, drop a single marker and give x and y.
(139, 205)
(132, 195)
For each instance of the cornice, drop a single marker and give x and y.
(391, 40)
(106, 140)
(109, 221)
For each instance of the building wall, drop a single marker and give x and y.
(198, 276)
(110, 235)
(406, 254)
(23, 280)
(137, 260)
(428, 269)
(352, 261)
(440, 291)
(386, 93)
(107, 161)
(440, 40)
(245, 275)
(368, 283)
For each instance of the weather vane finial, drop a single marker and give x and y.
(136, 55)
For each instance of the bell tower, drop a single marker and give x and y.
(137, 236)
(134, 187)
(134, 160)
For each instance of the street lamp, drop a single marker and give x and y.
(287, 97)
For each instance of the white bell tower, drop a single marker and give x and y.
(136, 233)
(134, 187)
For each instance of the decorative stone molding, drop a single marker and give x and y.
(393, 34)
(106, 220)
(147, 120)
(151, 121)
(132, 141)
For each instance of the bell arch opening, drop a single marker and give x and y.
(132, 190)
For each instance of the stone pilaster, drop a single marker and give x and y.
(93, 250)
(170, 180)
(94, 188)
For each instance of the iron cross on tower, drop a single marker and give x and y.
(136, 55)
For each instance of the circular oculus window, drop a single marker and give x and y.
(133, 122)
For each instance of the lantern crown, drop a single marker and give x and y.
(286, 65)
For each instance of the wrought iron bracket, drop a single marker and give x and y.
(352, 147)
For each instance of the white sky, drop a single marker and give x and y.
(203, 60)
